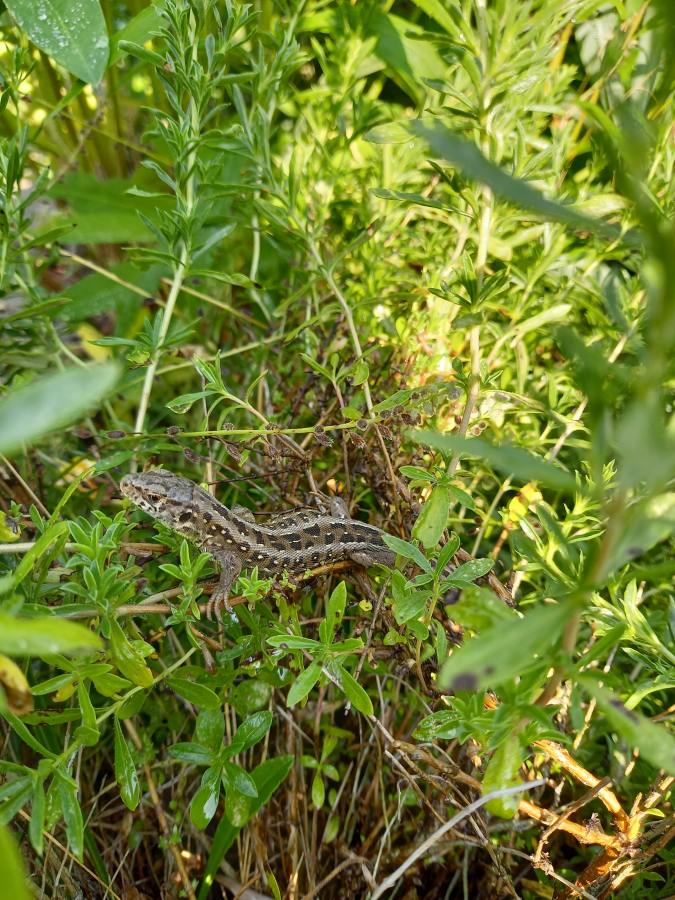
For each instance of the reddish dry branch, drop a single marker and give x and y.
(562, 757)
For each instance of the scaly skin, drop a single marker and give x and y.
(292, 542)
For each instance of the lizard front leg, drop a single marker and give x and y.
(230, 567)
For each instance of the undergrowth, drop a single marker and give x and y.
(415, 255)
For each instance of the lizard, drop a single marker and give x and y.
(294, 541)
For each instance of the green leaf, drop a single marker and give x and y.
(513, 461)
(441, 725)
(51, 402)
(293, 642)
(360, 372)
(138, 30)
(73, 34)
(237, 779)
(250, 696)
(37, 816)
(72, 814)
(318, 791)
(193, 753)
(125, 771)
(44, 635)
(433, 518)
(416, 473)
(479, 609)
(407, 551)
(408, 60)
(26, 736)
(335, 610)
(645, 525)
(267, 778)
(303, 684)
(52, 535)
(654, 742)
(468, 158)
(205, 801)
(353, 691)
(461, 497)
(14, 881)
(237, 809)
(88, 732)
(447, 551)
(198, 694)
(16, 798)
(127, 659)
(252, 729)
(502, 772)
(472, 569)
(505, 650)
(210, 728)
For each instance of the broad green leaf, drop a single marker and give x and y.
(433, 517)
(303, 684)
(513, 461)
(416, 473)
(353, 691)
(193, 753)
(95, 294)
(26, 735)
(267, 778)
(409, 603)
(252, 729)
(293, 642)
(408, 60)
(125, 770)
(44, 635)
(205, 801)
(88, 732)
(505, 650)
(210, 728)
(654, 742)
(14, 880)
(360, 372)
(439, 725)
(237, 808)
(37, 816)
(645, 525)
(335, 609)
(250, 696)
(107, 211)
(51, 402)
(479, 609)
(407, 551)
(502, 772)
(16, 799)
(198, 694)
(460, 496)
(73, 34)
(468, 158)
(318, 791)
(473, 568)
(138, 30)
(441, 13)
(237, 779)
(127, 659)
(72, 814)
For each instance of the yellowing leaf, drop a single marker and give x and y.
(88, 334)
(16, 688)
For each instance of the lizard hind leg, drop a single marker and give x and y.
(230, 567)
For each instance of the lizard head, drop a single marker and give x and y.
(165, 496)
